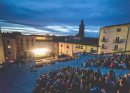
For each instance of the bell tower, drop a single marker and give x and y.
(81, 29)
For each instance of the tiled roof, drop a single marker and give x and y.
(84, 41)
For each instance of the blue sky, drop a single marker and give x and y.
(61, 17)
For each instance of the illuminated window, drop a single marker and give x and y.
(9, 46)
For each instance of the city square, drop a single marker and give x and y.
(63, 46)
(21, 80)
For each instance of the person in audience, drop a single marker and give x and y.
(117, 61)
(77, 80)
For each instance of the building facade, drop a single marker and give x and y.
(72, 48)
(17, 45)
(25, 44)
(73, 45)
(115, 38)
(2, 59)
(112, 39)
(48, 43)
(9, 48)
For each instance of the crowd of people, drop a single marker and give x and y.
(116, 61)
(77, 80)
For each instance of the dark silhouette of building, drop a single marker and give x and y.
(81, 30)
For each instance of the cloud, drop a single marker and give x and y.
(51, 29)
(58, 28)
(10, 27)
(41, 12)
(63, 16)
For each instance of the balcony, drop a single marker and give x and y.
(119, 41)
(118, 49)
(104, 40)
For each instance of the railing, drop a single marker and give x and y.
(104, 40)
(119, 41)
(118, 49)
(115, 49)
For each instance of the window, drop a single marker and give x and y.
(81, 47)
(21, 39)
(103, 38)
(67, 46)
(116, 47)
(27, 39)
(9, 52)
(61, 51)
(8, 41)
(117, 39)
(92, 50)
(17, 43)
(9, 46)
(21, 44)
(103, 45)
(118, 29)
(104, 31)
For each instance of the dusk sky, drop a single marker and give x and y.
(61, 17)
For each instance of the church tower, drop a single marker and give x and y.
(81, 29)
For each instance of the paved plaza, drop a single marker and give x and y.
(21, 80)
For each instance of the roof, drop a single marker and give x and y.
(85, 41)
(46, 41)
(117, 25)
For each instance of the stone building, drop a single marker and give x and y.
(2, 59)
(114, 39)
